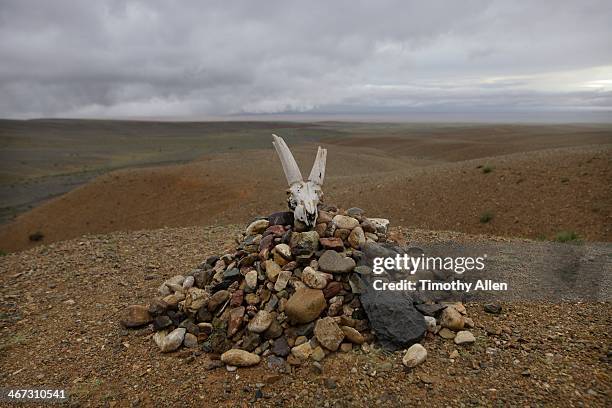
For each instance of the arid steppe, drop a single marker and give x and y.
(535, 181)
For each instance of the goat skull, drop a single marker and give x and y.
(303, 195)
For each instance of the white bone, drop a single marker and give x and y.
(290, 167)
(304, 196)
(317, 174)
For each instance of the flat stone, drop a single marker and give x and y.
(328, 333)
(464, 337)
(135, 316)
(240, 358)
(305, 305)
(414, 356)
(446, 333)
(333, 262)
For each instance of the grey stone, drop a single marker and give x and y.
(280, 347)
(334, 262)
(393, 318)
(464, 337)
(281, 218)
(430, 309)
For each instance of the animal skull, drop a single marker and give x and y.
(303, 195)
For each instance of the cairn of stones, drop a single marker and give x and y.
(281, 292)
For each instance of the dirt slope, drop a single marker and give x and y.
(535, 194)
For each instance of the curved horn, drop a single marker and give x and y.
(317, 174)
(290, 167)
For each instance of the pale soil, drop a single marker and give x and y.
(48, 342)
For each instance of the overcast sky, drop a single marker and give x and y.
(197, 59)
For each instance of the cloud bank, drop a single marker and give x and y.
(197, 59)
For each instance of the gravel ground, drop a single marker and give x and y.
(60, 304)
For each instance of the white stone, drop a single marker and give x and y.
(464, 337)
(414, 356)
(188, 282)
(431, 323)
(251, 279)
(239, 358)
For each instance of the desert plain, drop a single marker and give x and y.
(96, 214)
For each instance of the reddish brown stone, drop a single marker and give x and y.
(332, 289)
(237, 298)
(274, 230)
(332, 243)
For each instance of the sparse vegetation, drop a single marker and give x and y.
(487, 169)
(37, 236)
(566, 236)
(486, 217)
(2, 253)
(12, 341)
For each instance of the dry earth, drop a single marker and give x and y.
(60, 305)
(533, 194)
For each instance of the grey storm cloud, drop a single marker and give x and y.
(204, 58)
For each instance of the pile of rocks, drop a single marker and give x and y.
(283, 291)
(290, 295)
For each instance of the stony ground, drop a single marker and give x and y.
(59, 307)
